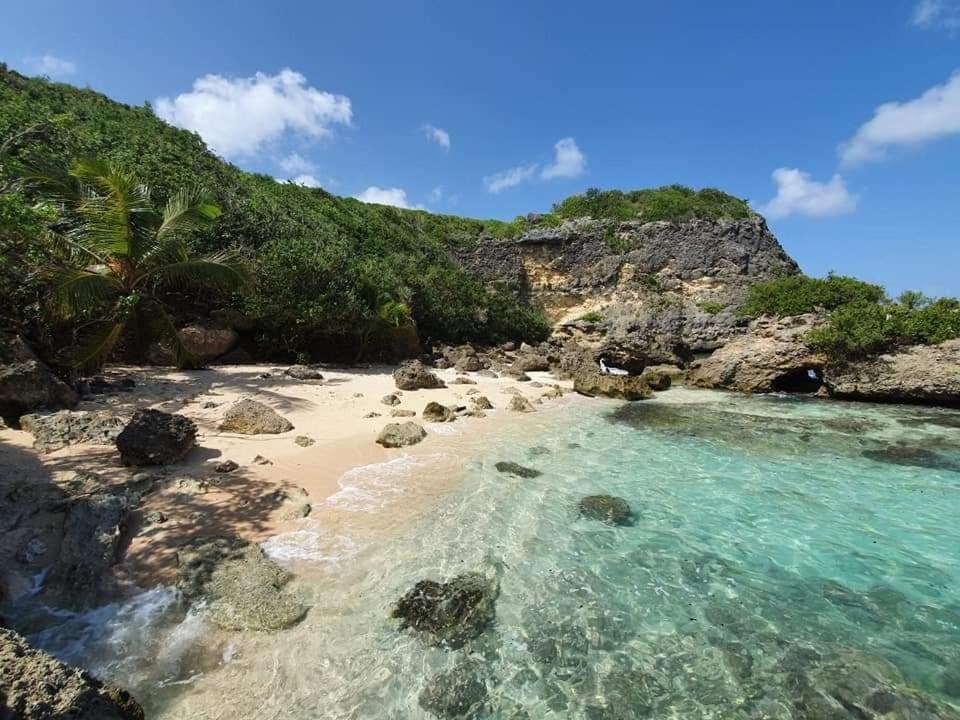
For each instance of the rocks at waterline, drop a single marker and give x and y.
(518, 403)
(482, 402)
(396, 435)
(153, 437)
(413, 375)
(28, 385)
(390, 399)
(52, 431)
(608, 509)
(449, 614)
(434, 412)
(243, 589)
(657, 378)
(36, 686)
(592, 383)
(303, 372)
(251, 417)
(517, 470)
(457, 693)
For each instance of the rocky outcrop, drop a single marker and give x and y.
(396, 435)
(207, 341)
(26, 384)
(250, 417)
(593, 383)
(36, 686)
(52, 431)
(773, 356)
(928, 374)
(243, 590)
(413, 375)
(153, 437)
(449, 614)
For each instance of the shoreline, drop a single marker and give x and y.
(263, 498)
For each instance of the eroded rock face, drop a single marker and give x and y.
(36, 686)
(153, 437)
(52, 431)
(592, 383)
(772, 353)
(397, 435)
(413, 375)
(27, 386)
(250, 417)
(921, 374)
(449, 614)
(244, 590)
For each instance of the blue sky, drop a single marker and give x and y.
(839, 120)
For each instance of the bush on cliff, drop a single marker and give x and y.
(798, 294)
(674, 203)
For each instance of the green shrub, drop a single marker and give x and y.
(856, 330)
(932, 322)
(674, 203)
(798, 294)
(591, 317)
(711, 307)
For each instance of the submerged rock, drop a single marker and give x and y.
(449, 614)
(609, 509)
(457, 693)
(244, 590)
(592, 383)
(413, 375)
(52, 431)
(250, 417)
(397, 435)
(153, 437)
(512, 468)
(912, 456)
(36, 686)
(436, 413)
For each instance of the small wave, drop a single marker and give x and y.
(309, 545)
(368, 488)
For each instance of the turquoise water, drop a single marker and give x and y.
(788, 559)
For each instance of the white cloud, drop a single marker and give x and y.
(568, 160)
(436, 195)
(797, 194)
(933, 14)
(295, 163)
(438, 135)
(306, 181)
(932, 116)
(387, 196)
(238, 116)
(50, 66)
(509, 178)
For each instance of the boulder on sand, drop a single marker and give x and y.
(36, 686)
(244, 590)
(434, 412)
(153, 437)
(250, 417)
(28, 385)
(206, 342)
(413, 375)
(52, 431)
(397, 435)
(303, 372)
(449, 614)
(518, 403)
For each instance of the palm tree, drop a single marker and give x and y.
(116, 253)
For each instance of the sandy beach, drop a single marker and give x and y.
(279, 477)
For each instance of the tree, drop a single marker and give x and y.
(115, 253)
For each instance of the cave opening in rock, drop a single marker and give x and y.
(803, 380)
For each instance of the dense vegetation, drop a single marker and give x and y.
(370, 265)
(862, 321)
(673, 203)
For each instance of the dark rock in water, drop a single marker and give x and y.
(52, 431)
(628, 694)
(947, 420)
(539, 450)
(413, 375)
(562, 644)
(458, 693)
(153, 437)
(303, 372)
(606, 508)
(244, 590)
(451, 613)
(436, 413)
(512, 468)
(950, 679)
(397, 435)
(912, 456)
(703, 568)
(250, 417)
(36, 686)
(737, 658)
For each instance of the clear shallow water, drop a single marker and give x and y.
(779, 545)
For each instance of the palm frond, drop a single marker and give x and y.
(187, 210)
(77, 291)
(94, 350)
(223, 271)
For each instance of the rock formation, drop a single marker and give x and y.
(250, 417)
(153, 437)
